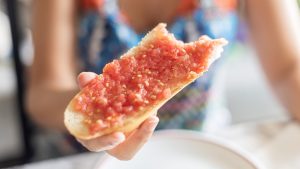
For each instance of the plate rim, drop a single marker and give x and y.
(195, 136)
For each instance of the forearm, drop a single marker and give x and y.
(52, 76)
(274, 28)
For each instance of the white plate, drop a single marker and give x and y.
(181, 149)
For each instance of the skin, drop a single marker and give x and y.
(273, 26)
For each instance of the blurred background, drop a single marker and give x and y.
(242, 84)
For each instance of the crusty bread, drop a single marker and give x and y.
(74, 120)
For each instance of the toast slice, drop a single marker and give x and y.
(166, 66)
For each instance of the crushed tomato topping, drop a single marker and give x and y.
(131, 83)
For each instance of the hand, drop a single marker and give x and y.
(120, 145)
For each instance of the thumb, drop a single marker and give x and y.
(84, 78)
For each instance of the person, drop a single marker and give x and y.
(103, 30)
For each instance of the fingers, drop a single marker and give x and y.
(85, 77)
(127, 149)
(104, 142)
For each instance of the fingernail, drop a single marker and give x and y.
(153, 123)
(119, 136)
